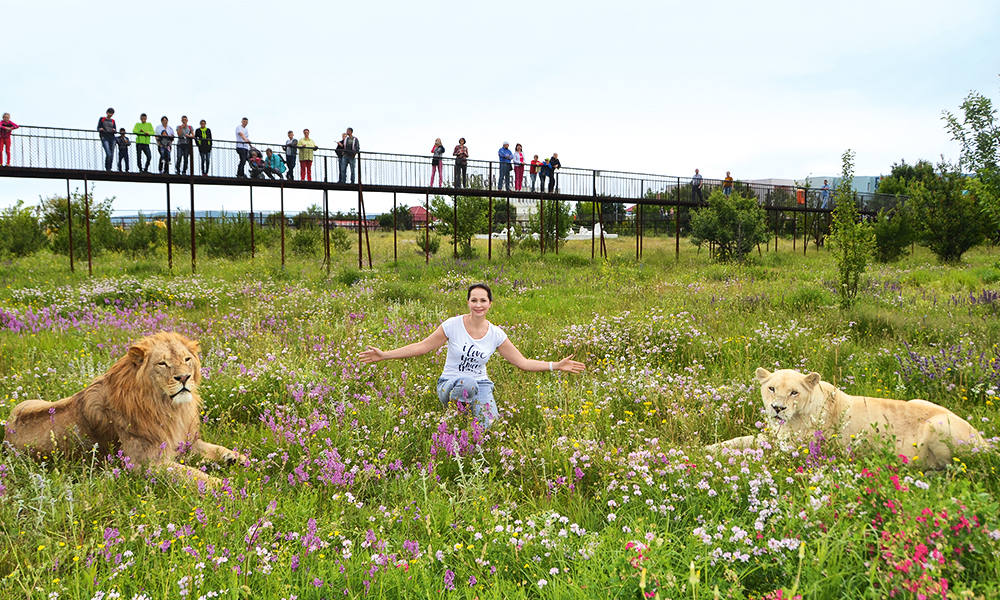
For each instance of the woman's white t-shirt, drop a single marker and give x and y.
(468, 356)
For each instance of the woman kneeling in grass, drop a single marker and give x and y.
(471, 341)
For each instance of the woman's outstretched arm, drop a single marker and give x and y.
(431, 342)
(512, 355)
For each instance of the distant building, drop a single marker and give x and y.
(861, 183)
(419, 214)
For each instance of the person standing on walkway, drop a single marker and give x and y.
(536, 166)
(518, 167)
(142, 131)
(696, 183)
(351, 149)
(461, 154)
(825, 194)
(306, 148)
(203, 138)
(544, 170)
(553, 165)
(242, 147)
(727, 184)
(6, 127)
(164, 142)
(185, 133)
(106, 125)
(291, 152)
(437, 163)
(123, 143)
(505, 156)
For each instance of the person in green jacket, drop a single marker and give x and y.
(142, 130)
(203, 138)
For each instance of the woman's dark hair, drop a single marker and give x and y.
(482, 286)
(462, 140)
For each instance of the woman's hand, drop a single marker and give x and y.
(371, 355)
(569, 366)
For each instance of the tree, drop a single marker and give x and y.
(558, 220)
(732, 225)
(103, 234)
(850, 241)
(895, 229)
(21, 233)
(903, 176)
(979, 135)
(472, 219)
(404, 219)
(950, 220)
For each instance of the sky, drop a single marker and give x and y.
(763, 89)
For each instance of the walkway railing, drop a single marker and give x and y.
(49, 148)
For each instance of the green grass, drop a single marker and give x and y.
(361, 485)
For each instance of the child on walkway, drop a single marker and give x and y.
(123, 143)
(6, 127)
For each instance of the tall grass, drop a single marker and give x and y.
(361, 485)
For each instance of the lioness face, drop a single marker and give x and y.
(173, 369)
(786, 394)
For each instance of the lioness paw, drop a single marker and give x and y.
(235, 458)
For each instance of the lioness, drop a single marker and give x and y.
(146, 405)
(798, 405)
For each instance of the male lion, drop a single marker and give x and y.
(798, 405)
(146, 405)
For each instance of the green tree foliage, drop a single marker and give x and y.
(895, 230)
(979, 134)
(307, 241)
(903, 176)
(850, 241)
(423, 243)
(404, 220)
(732, 225)
(104, 236)
(472, 219)
(310, 217)
(558, 220)
(143, 238)
(950, 219)
(21, 231)
(228, 236)
(340, 239)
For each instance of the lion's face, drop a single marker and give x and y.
(788, 395)
(170, 363)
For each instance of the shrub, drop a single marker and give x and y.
(340, 240)
(422, 243)
(894, 231)
(307, 242)
(473, 214)
(732, 225)
(21, 233)
(103, 234)
(228, 236)
(143, 238)
(950, 220)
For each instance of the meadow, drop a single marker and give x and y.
(360, 485)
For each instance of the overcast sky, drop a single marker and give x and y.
(762, 89)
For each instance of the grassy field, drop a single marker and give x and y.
(593, 486)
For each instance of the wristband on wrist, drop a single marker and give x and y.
(550, 365)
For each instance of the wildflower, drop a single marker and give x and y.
(542, 583)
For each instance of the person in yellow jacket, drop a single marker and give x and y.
(142, 131)
(306, 148)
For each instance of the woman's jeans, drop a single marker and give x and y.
(461, 178)
(109, 152)
(465, 390)
(534, 176)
